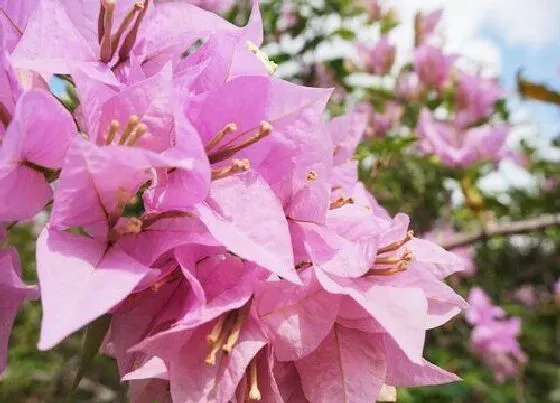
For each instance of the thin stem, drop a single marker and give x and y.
(500, 229)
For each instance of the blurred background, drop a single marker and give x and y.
(491, 63)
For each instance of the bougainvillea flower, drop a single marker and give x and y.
(346, 132)
(148, 312)
(494, 338)
(149, 114)
(32, 151)
(253, 118)
(99, 49)
(13, 292)
(394, 260)
(208, 352)
(481, 310)
(425, 25)
(408, 86)
(476, 98)
(496, 344)
(459, 147)
(432, 66)
(212, 214)
(380, 123)
(379, 59)
(91, 196)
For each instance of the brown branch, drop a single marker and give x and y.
(498, 229)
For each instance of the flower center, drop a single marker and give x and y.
(229, 149)
(236, 167)
(225, 333)
(217, 153)
(397, 263)
(132, 132)
(109, 43)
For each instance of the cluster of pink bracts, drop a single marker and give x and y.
(259, 267)
(494, 338)
(466, 136)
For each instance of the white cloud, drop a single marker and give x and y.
(468, 26)
(519, 22)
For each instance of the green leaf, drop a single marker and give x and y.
(95, 333)
(345, 33)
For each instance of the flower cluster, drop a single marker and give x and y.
(208, 210)
(494, 338)
(433, 80)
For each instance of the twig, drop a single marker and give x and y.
(497, 229)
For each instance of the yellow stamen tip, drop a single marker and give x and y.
(210, 359)
(140, 130)
(265, 127)
(113, 129)
(254, 394)
(131, 125)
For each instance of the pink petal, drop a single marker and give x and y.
(435, 259)
(145, 314)
(172, 28)
(443, 302)
(164, 235)
(41, 130)
(234, 205)
(403, 373)
(334, 253)
(14, 19)
(296, 318)
(13, 292)
(149, 391)
(349, 366)
(23, 191)
(51, 43)
(401, 311)
(80, 280)
(153, 368)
